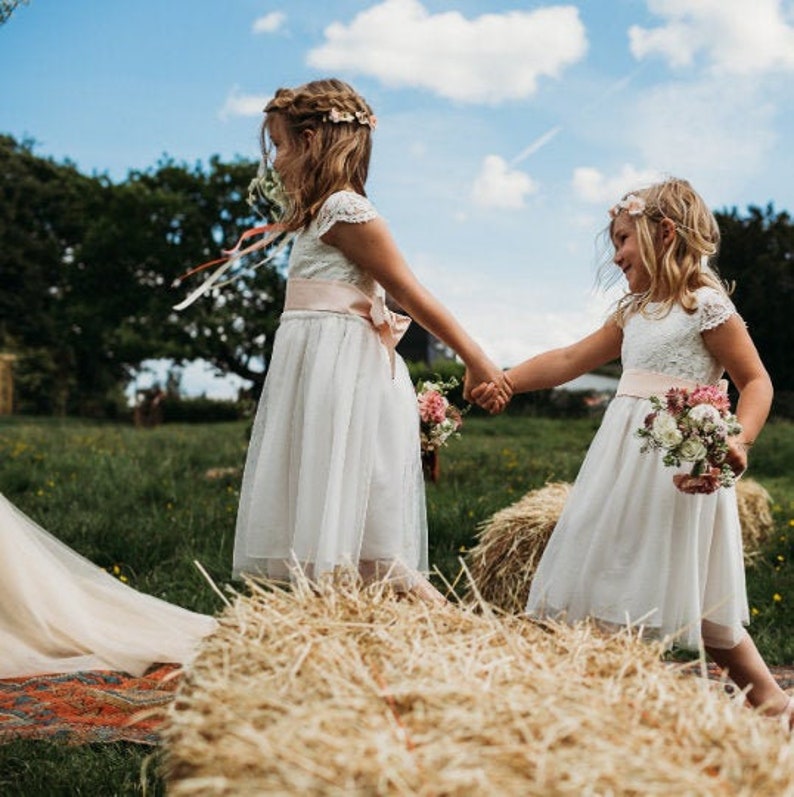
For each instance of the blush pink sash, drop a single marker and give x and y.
(644, 384)
(332, 296)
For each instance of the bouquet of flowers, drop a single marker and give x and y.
(439, 419)
(693, 426)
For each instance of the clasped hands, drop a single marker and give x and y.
(492, 393)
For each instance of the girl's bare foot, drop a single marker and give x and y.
(426, 592)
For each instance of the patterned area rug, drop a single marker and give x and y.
(87, 707)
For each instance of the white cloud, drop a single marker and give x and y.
(497, 186)
(488, 59)
(239, 104)
(591, 185)
(737, 37)
(718, 134)
(269, 23)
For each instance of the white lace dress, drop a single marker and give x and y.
(60, 613)
(629, 547)
(333, 475)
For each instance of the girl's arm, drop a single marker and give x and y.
(371, 247)
(732, 345)
(555, 367)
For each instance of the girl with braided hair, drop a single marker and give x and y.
(333, 477)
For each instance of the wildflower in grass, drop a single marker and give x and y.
(777, 597)
(115, 570)
(781, 558)
(754, 611)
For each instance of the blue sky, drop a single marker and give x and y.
(505, 128)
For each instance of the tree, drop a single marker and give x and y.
(7, 8)
(196, 213)
(757, 251)
(88, 267)
(43, 220)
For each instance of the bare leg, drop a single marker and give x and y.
(402, 580)
(746, 668)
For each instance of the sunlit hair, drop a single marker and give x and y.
(334, 157)
(687, 262)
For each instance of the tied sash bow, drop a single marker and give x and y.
(391, 326)
(343, 297)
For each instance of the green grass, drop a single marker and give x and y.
(138, 499)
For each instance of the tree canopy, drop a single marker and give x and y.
(757, 252)
(89, 267)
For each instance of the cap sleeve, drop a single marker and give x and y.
(714, 308)
(346, 206)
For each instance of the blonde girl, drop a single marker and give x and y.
(629, 547)
(333, 476)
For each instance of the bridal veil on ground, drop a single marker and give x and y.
(61, 613)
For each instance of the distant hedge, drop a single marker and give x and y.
(204, 410)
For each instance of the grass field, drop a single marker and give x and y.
(141, 500)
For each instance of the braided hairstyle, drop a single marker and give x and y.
(684, 265)
(335, 157)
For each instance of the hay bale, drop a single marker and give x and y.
(510, 544)
(350, 692)
(755, 515)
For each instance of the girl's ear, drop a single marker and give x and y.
(666, 232)
(308, 135)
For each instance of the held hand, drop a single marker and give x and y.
(736, 457)
(488, 396)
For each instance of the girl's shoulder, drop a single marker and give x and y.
(714, 307)
(347, 206)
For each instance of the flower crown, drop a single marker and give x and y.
(335, 116)
(633, 205)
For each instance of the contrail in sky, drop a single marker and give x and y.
(539, 142)
(544, 139)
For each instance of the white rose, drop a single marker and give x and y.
(665, 431)
(692, 450)
(705, 413)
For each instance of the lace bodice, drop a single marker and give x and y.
(672, 344)
(312, 259)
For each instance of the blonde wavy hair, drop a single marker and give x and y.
(687, 263)
(335, 157)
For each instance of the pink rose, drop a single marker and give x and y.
(708, 482)
(432, 407)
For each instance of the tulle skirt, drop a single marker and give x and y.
(60, 613)
(629, 548)
(333, 476)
